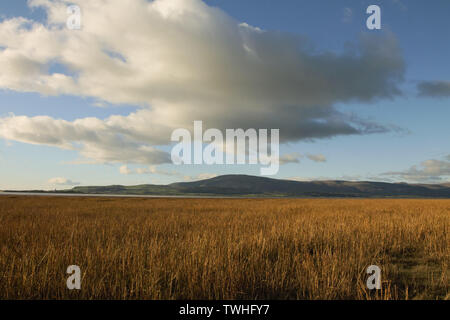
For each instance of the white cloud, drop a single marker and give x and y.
(290, 158)
(61, 181)
(429, 171)
(147, 170)
(180, 61)
(317, 157)
(203, 176)
(124, 170)
(101, 140)
(295, 157)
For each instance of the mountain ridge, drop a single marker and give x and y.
(245, 185)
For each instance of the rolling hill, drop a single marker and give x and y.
(244, 185)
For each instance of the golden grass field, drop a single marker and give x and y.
(142, 248)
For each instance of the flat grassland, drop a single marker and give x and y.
(137, 248)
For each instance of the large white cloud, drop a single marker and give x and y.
(180, 61)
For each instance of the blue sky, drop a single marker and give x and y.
(413, 147)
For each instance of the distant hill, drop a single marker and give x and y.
(244, 185)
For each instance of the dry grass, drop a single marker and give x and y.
(222, 248)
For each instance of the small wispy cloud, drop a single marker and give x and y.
(317, 157)
(295, 157)
(61, 181)
(434, 89)
(429, 171)
(125, 170)
(290, 158)
(147, 170)
(154, 170)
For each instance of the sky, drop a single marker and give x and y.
(97, 106)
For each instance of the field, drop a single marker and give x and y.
(137, 248)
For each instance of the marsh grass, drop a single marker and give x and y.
(137, 248)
